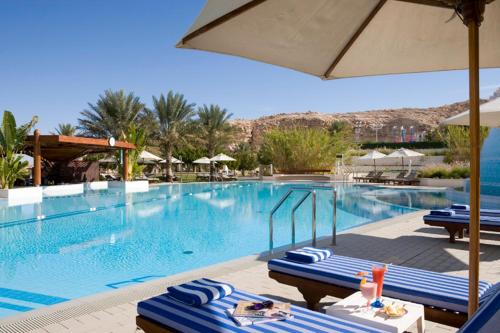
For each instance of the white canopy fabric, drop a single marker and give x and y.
(147, 157)
(202, 160)
(346, 38)
(403, 152)
(490, 115)
(373, 155)
(107, 160)
(174, 161)
(222, 158)
(343, 38)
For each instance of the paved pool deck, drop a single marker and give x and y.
(403, 240)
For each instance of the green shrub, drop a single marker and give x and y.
(445, 171)
(296, 150)
(408, 145)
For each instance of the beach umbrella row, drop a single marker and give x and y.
(400, 153)
(341, 39)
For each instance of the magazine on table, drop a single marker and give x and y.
(247, 321)
(245, 309)
(245, 314)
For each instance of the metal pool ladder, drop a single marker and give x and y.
(309, 190)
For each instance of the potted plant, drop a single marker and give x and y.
(12, 164)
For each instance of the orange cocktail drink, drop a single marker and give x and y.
(378, 278)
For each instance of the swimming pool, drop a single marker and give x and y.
(74, 246)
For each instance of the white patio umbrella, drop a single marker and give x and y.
(402, 153)
(108, 160)
(490, 115)
(173, 161)
(222, 158)
(373, 155)
(147, 158)
(345, 38)
(202, 160)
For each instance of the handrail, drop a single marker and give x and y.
(275, 208)
(334, 218)
(310, 190)
(297, 205)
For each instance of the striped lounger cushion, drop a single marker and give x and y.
(410, 284)
(211, 317)
(458, 218)
(487, 318)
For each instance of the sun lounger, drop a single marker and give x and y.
(456, 224)
(367, 176)
(465, 210)
(445, 297)
(163, 314)
(487, 317)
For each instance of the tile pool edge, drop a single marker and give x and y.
(54, 314)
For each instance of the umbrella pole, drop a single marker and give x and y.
(472, 12)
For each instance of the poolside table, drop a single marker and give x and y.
(349, 309)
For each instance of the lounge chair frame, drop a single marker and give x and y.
(313, 291)
(457, 228)
(150, 326)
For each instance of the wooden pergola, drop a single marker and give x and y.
(61, 148)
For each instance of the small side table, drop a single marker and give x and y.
(349, 308)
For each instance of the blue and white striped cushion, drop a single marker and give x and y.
(459, 218)
(442, 212)
(465, 210)
(309, 254)
(460, 207)
(487, 317)
(212, 317)
(409, 284)
(200, 291)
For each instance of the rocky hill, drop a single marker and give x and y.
(364, 123)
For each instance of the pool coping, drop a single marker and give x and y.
(53, 314)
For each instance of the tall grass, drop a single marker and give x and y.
(446, 171)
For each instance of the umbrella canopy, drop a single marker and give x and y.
(404, 153)
(173, 161)
(203, 160)
(490, 115)
(345, 38)
(108, 160)
(146, 157)
(373, 155)
(222, 158)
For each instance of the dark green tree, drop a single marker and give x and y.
(246, 158)
(65, 129)
(174, 116)
(214, 131)
(112, 115)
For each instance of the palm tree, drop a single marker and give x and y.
(214, 129)
(12, 166)
(174, 114)
(65, 129)
(112, 115)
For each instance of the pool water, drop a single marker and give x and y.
(74, 246)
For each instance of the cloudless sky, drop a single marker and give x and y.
(58, 55)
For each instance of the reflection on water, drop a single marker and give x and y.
(100, 240)
(417, 199)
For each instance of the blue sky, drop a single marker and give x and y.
(57, 55)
